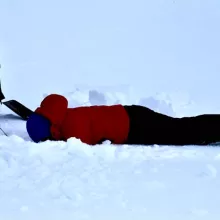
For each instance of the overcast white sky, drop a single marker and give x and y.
(157, 45)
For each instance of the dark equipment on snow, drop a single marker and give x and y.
(16, 106)
(1, 94)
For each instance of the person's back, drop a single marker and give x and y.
(96, 124)
(91, 125)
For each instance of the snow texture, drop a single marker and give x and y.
(163, 54)
(71, 180)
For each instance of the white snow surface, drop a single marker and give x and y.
(72, 180)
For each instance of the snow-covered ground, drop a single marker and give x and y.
(92, 52)
(58, 180)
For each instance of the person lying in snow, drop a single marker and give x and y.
(132, 125)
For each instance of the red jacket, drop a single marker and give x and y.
(89, 124)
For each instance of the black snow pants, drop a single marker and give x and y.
(148, 127)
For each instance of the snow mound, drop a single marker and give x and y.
(88, 97)
(59, 180)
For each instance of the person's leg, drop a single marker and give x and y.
(200, 130)
(149, 127)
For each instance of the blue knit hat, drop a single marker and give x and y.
(38, 127)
